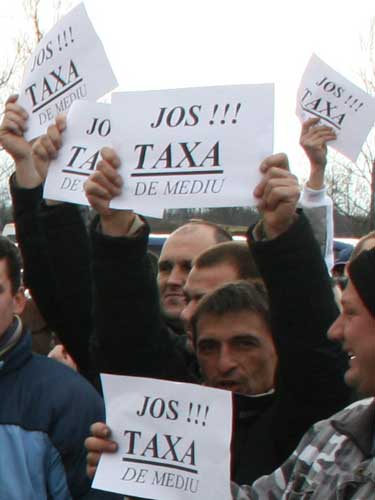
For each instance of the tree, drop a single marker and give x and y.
(10, 78)
(352, 185)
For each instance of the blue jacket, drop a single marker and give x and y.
(46, 410)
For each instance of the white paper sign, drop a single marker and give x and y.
(190, 148)
(173, 439)
(88, 131)
(68, 64)
(339, 103)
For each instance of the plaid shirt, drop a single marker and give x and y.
(334, 461)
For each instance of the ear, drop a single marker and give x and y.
(19, 301)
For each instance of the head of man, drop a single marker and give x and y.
(12, 298)
(176, 257)
(233, 340)
(220, 264)
(355, 327)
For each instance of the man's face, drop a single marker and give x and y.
(202, 281)
(175, 263)
(355, 329)
(236, 352)
(9, 304)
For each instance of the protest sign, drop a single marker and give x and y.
(68, 64)
(173, 440)
(338, 103)
(192, 148)
(88, 131)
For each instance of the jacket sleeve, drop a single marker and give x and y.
(290, 477)
(130, 335)
(56, 258)
(69, 255)
(318, 208)
(310, 381)
(37, 274)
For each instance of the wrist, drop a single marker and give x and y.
(316, 179)
(273, 230)
(118, 223)
(26, 175)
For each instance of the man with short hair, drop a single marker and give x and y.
(233, 340)
(175, 261)
(335, 458)
(46, 409)
(220, 264)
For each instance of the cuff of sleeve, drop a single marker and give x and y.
(313, 196)
(23, 197)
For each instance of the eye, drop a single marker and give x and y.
(165, 266)
(350, 312)
(245, 342)
(207, 347)
(186, 266)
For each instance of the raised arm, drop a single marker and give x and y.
(314, 200)
(26, 190)
(67, 241)
(131, 337)
(310, 382)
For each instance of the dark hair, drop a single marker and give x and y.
(359, 246)
(221, 234)
(10, 253)
(233, 297)
(232, 252)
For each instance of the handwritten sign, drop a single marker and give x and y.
(173, 440)
(68, 64)
(339, 103)
(190, 148)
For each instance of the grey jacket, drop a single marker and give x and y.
(334, 461)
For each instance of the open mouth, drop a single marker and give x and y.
(229, 385)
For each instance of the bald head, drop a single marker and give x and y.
(178, 252)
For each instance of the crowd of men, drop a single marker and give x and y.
(260, 319)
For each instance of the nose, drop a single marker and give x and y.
(335, 332)
(177, 276)
(226, 362)
(188, 311)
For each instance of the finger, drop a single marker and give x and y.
(12, 98)
(320, 131)
(278, 160)
(54, 135)
(272, 172)
(100, 429)
(61, 122)
(90, 471)
(281, 194)
(13, 123)
(308, 124)
(110, 155)
(110, 173)
(92, 458)
(17, 109)
(39, 151)
(99, 445)
(47, 147)
(99, 182)
(276, 185)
